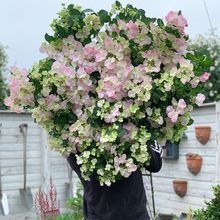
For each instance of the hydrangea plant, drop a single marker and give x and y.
(111, 84)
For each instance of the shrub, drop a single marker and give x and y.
(212, 210)
(75, 206)
(3, 87)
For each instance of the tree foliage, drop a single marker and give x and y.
(3, 87)
(210, 46)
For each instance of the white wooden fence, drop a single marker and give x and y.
(43, 163)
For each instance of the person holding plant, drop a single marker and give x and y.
(112, 83)
(123, 200)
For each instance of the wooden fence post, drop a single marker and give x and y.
(46, 169)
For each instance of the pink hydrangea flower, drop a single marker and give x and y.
(21, 90)
(129, 126)
(204, 77)
(81, 73)
(173, 116)
(180, 44)
(200, 98)
(110, 63)
(174, 19)
(100, 55)
(181, 105)
(90, 67)
(194, 82)
(110, 88)
(90, 51)
(122, 25)
(8, 101)
(171, 113)
(51, 99)
(60, 68)
(75, 57)
(133, 30)
(108, 42)
(179, 109)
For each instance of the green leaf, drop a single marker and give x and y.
(179, 12)
(45, 64)
(95, 76)
(175, 32)
(49, 38)
(146, 20)
(87, 41)
(169, 43)
(186, 37)
(190, 122)
(88, 10)
(153, 19)
(121, 16)
(74, 12)
(114, 34)
(129, 7)
(121, 131)
(141, 12)
(190, 56)
(207, 61)
(104, 16)
(118, 4)
(70, 6)
(160, 23)
(61, 31)
(201, 60)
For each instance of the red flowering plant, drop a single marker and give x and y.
(46, 204)
(112, 83)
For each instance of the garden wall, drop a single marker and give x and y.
(199, 186)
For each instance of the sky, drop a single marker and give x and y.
(23, 23)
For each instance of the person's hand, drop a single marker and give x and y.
(155, 153)
(157, 148)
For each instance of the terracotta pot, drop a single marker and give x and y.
(180, 187)
(203, 133)
(52, 214)
(194, 163)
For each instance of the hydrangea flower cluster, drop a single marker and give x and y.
(112, 83)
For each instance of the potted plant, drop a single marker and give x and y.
(194, 163)
(180, 187)
(203, 133)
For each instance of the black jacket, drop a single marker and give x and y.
(123, 200)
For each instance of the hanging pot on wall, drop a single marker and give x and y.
(180, 187)
(203, 133)
(194, 163)
(171, 151)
